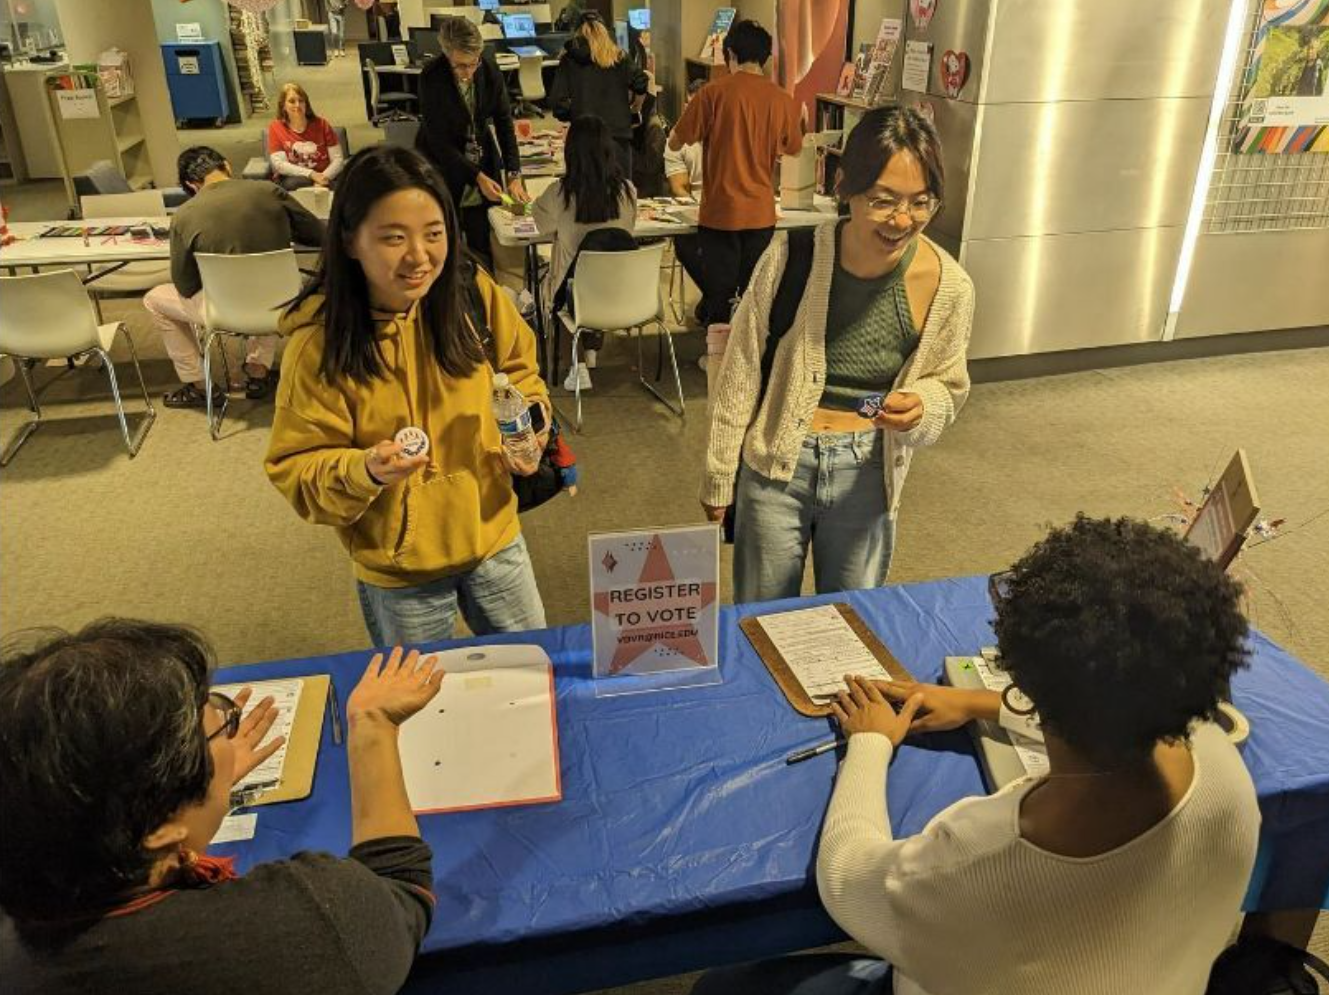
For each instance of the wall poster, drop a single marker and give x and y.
(1286, 104)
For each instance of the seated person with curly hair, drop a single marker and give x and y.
(116, 768)
(1123, 869)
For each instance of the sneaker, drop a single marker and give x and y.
(589, 355)
(189, 396)
(579, 378)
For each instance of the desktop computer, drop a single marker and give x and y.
(518, 25)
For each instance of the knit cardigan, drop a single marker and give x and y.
(769, 442)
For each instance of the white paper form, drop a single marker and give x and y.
(1032, 753)
(489, 738)
(285, 695)
(820, 648)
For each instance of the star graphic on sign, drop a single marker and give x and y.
(656, 569)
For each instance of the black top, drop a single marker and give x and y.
(581, 87)
(314, 923)
(446, 124)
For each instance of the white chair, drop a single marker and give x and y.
(242, 296)
(614, 290)
(127, 278)
(530, 77)
(50, 316)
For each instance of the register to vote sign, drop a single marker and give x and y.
(655, 597)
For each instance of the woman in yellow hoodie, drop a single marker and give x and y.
(381, 341)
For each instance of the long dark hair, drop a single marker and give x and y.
(350, 344)
(593, 179)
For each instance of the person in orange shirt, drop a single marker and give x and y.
(745, 123)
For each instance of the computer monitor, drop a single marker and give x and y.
(489, 4)
(518, 25)
(639, 18)
(426, 42)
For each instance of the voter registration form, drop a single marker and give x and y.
(820, 647)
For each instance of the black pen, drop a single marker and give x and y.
(336, 712)
(814, 751)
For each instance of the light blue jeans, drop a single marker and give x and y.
(497, 596)
(836, 501)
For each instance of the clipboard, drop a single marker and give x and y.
(784, 676)
(302, 743)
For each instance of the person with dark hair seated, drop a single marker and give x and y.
(1122, 869)
(116, 769)
(593, 194)
(229, 217)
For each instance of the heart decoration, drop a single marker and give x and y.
(954, 71)
(922, 12)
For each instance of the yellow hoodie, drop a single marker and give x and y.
(447, 517)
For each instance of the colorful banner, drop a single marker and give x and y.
(1286, 106)
(810, 40)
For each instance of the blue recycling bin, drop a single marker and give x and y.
(196, 78)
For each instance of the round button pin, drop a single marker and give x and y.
(412, 440)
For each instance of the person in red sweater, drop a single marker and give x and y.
(303, 148)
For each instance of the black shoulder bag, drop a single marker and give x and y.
(784, 308)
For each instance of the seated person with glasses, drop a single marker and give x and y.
(874, 310)
(116, 769)
(1122, 869)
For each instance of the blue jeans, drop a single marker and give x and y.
(836, 500)
(497, 596)
(805, 974)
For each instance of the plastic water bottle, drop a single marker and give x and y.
(514, 421)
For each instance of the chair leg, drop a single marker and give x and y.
(134, 443)
(576, 373)
(214, 423)
(681, 410)
(32, 425)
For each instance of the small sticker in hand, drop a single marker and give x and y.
(412, 440)
(870, 406)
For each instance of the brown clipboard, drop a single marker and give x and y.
(297, 775)
(784, 676)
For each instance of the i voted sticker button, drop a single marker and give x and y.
(412, 440)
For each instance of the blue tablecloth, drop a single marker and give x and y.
(683, 839)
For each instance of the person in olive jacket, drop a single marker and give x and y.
(466, 129)
(595, 77)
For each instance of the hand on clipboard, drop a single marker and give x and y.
(248, 747)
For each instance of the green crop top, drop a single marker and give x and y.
(869, 333)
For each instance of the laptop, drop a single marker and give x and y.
(527, 51)
(518, 25)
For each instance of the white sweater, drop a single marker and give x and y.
(967, 907)
(769, 437)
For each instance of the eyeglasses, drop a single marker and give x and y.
(919, 209)
(230, 716)
(999, 585)
(465, 68)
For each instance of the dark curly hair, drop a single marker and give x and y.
(1122, 634)
(196, 163)
(101, 740)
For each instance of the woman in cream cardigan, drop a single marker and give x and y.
(872, 368)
